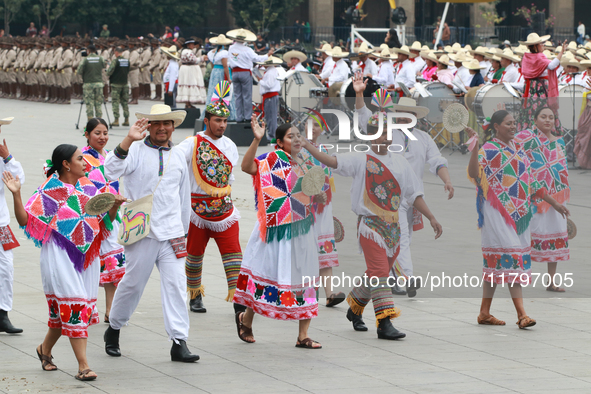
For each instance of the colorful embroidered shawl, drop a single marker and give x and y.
(56, 210)
(95, 171)
(211, 168)
(548, 165)
(310, 161)
(283, 210)
(506, 182)
(382, 191)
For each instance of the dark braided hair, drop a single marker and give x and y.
(496, 118)
(61, 153)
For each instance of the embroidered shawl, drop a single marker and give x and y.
(211, 168)
(506, 182)
(548, 164)
(283, 210)
(310, 161)
(56, 211)
(95, 171)
(382, 191)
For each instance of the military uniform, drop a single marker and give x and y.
(90, 70)
(145, 83)
(46, 69)
(10, 69)
(39, 73)
(134, 74)
(57, 76)
(64, 66)
(30, 74)
(20, 67)
(118, 72)
(154, 67)
(105, 53)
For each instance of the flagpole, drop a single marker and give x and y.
(441, 25)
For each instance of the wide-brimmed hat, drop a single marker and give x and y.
(472, 65)
(386, 54)
(297, 54)
(549, 54)
(163, 112)
(479, 51)
(242, 35)
(456, 47)
(220, 40)
(534, 39)
(460, 57)
(171, 51)
(325, 47)
(6, 121)
(271, 61)
(586, 63)
(581, 54)
(406, 104)
(416, 46)
(520, 50)
(572, 46)
(430, 56)
(573, 63)
(508, 54)
(444, 59)
(364, 49)
(337, 52)
(405, 50)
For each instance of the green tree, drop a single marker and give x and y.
(262, 15)
(10, 9)
(53, 10)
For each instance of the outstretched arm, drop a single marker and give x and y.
(561, 209)
(322, 157)
(14, 185)
(248, 164)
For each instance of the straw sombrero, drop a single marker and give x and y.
(364, 49)
(479, 51)
(534, 39)
(431, 56)
(456, 47)
(163, 112)
(337, 52)
(172, 52)
(508, 54)
(406, 104)
(297, 54)
(573, 63)
(405, 50)
(472, 65)
(416, 46)
(271, 61)
(6, 121)
(325, 47)
(586, 63)
(460, 57)
(242, 35)
(445, 60)
(385, 54)
(220, 40)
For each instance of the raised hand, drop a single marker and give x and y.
(257, 130)
(13, 184)
(358, 84)
(4, 150)
(138, 130)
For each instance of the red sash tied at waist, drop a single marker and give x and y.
(266, 96)
(238, 69)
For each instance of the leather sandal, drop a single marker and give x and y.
(106, 319)
(525, 322)
(555, 289)
(490, 321)
(83, 375)
(246, 331)
(335, 299)
(45, 360)
(307, 343)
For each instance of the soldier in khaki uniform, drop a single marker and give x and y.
(57, 76)
(102, 49)
(10, 67)
(30, 74)
(154, 66)
(46, 70)
(134, 71)
(3, 50)
(145, 83)
(39, 88)
(77, 78)
(64, 66)
(20, 67)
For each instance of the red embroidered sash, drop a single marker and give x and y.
(382, 191)
(211, 168)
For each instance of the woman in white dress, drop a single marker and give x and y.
(191, 86)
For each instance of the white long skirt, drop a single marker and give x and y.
(549, 237)
(191, 88)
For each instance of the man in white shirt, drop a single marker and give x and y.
(366, 65)
(241, 59)
(327, 61)
(294, 61)
(171, 75)
(417, 60)
(269, 88)
(8, 239)
(406, 72)
(339, 74)
(385, 75)
(479, 54)
(150, 166)
(575, 74)
(462, 75)
(511, 73)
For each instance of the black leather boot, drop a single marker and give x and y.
(6, 326)
(196, 304)
(239, 308)
(412, 286)
(387, 331)
(111, 338)
(358, 324)
(396, 290)
(182, 353)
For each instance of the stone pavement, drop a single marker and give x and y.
(445, 350)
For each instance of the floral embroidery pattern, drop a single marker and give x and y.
(506, 265)
(72, 315)
(390, 232)
(213, 166)
(381, 190)
(208, 207)
(273, 295)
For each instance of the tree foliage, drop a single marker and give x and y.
(262, 15)
(53, 10)
(10, 9)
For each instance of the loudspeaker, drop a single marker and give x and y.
(192, 115)
(240, 133)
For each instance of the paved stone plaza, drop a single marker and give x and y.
(445, 350)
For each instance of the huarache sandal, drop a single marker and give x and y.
(246, 331)
(335, 299)
(45, 360)
(555, 289)
(307, 343)
(83, 375)
(490, 321)
(525, 322)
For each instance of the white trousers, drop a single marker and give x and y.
(405, 220)
(140, 260)
(6, 278)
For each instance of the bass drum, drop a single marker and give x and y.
(440, 95)
(569, 105)
(489, 97)
(347, 93)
